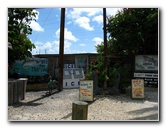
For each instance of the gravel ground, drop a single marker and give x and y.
(38, 106)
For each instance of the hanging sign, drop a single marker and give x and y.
(86, 90)
(137, 88)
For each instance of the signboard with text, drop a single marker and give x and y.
(72, 77)
(86, 90)
(137, 88)
(146, 63)
(31, 67)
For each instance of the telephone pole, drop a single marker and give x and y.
(61, 50)
(105, 46)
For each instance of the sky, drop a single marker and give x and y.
(83, 29)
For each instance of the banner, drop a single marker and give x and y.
(138, 88)
(86, 90)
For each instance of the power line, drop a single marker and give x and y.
(44, 22)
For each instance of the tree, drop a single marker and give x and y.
(19, 20)
(134, 31)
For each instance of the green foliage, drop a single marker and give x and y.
(134, 31)
(109, 73)
(19, 20)
(125, 74)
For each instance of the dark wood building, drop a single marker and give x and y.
(82, 60)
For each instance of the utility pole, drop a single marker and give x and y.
(61, 50)
(105, 46)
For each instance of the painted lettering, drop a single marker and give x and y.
(84, 84)
(89, 86)
(86, 90)
(34, 69)
(72, 83)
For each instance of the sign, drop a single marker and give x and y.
(146, 75)
(31, 67)
(86, 90)
(137, 88)
(82, 62)
(72, 77)
(69, 66)
(146, 62)
(71, 83)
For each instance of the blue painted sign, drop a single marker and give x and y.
(31, 67)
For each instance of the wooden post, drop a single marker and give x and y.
(61, 49)
(16, 90)
(23, 82)
(10, 93)
(79, 110)
(105, 46)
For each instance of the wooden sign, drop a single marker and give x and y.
(86, 90)
(137, 88)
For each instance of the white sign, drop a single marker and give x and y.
(146, 75)
(146, 62)
(69, 65)
(138, 88)
(72, 77)
(71, 83)
(86, 90)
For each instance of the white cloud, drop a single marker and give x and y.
(78, 51)
(84, 23)
(38, 43)
(47, 48)
(47, 45)
(37, 16)
(68, 35)
(77, 12)
(98, 19)
(53, 48)
(81, 16)
(112, 11)
(82, 44)
(69, 22)
(97, 40)
(93, 11)
(67, 46)
(35, 25)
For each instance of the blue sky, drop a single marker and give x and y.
(83, 30)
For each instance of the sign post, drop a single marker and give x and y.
(138, 88)
(86, 90)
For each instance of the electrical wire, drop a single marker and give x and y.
(44, 23)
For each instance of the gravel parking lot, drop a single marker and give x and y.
(38, 106)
